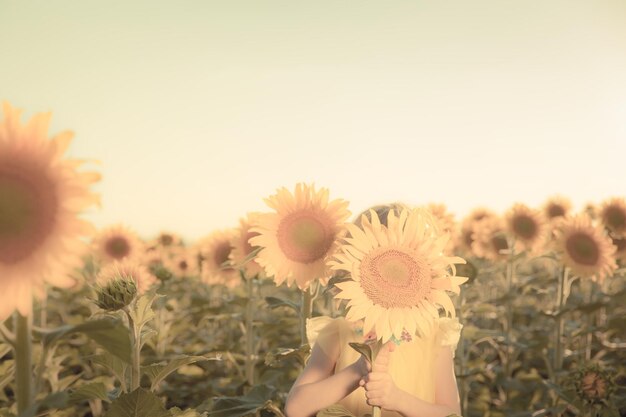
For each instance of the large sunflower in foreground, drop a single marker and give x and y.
(299, 238)
(585, 249)
(41, 197)
(399, 274)
(214, 252)
(613, 216)
(527, 227)
(116, 243)
(242, 249)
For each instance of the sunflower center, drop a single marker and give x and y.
(395, 278)
(183, 265)
(248, 248)
(498, 242)
(117, 247)
(28, 209)
(525, 227)
(467, 238)
(615, 218)
(304, 237)
(583, 249)
(166, 239)
(555, 210)
(222, 253)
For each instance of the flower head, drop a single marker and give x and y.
(242, 249)
(215, 251)
(41, 197)
(490, 239)
(613, 216)
(593, 383)
(585, 249)
(556, 207)
(300, 236)
(117, 243)
(399, 274)
(527, 227)
(126, 270)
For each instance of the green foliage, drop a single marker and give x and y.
(139, 403)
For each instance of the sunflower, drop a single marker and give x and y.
(41, 197)
(214, 252)
(465, 238)
(613, 216)
(242, 249)
(399, 274)
(556, 206)
(490, 239)
(527, 227)
(166, 240)
(620, 248)
(126, 270)
(300, 237)
(116, 243)
(182, 262)
(585, 249)
(444, 221)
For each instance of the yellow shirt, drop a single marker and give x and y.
(411, 364)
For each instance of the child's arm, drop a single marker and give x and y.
(381, 390)
(317, 387)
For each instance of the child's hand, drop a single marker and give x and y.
(380, 389)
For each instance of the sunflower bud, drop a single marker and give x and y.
(116, 294)
(593, 384)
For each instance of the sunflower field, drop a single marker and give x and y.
(107, 323)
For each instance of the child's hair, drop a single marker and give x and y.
(382, 211)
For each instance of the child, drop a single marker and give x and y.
(414, 378)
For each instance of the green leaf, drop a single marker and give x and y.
(139, 403)
(159, 371)
(114, 364)
(335, 411)
(250, 403)
(52, 401)
(90, 391)
(276, 356)
(115, 339)
(190, 412)
(275, 302)
(369, 350)
(141, 310)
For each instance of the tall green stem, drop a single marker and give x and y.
(463, 387)
(510, 275)
(250, 359)
(558, 349)
(135, 343)
(305, 313)
(23, 362)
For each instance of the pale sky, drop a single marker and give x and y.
(197, 110)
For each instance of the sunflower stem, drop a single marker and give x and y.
(510, 275)
(305, 313)
(463, 386)
(558, 350)
(23, 362)
(587, 287)
(135, 344)
(250, 361)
